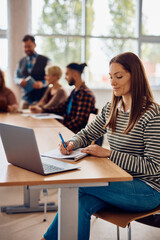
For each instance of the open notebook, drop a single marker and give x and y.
(30, 82)
(74, 156)
(42, 115)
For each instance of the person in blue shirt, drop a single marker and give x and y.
(30, 73)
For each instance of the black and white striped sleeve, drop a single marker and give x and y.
(149, 163)
(91, 132)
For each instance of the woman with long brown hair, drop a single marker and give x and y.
(8, 102)
(132, 124)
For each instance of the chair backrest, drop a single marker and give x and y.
(92, 116)
(99, 141)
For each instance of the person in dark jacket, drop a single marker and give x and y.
(30, 73)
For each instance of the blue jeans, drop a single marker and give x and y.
(134, 196)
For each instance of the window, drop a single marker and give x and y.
(60, 50)
(150, 17)
(59, 17)
(94, 31)
(111, 18)
(3, 15)
(3, 36)
(3, 54)
(151, 60)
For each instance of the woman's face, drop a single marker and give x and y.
(51, 79)
(120, 80)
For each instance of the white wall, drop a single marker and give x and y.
(102, 97)
(19, 24)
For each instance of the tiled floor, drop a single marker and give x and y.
(31, 226)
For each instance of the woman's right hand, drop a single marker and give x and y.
(67, 150)
(35, 109)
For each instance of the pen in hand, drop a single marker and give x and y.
(63, 142)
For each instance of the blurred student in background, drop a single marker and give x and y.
(8, 102)
(55, 93)
(30, 73)
(78, 106)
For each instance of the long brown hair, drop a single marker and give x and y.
(141, 94)
(2, 83)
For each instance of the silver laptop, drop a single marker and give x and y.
(21, 150)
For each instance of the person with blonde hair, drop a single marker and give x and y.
(79, 104)
(55, 94)
(8, 102)
(132, 124)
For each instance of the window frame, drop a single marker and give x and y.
(139, 38)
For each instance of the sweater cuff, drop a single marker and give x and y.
(75, 142)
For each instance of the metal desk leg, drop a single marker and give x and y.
(31, 203)
(68, 214)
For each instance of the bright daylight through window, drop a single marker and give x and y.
(92, 31)
(3, 36)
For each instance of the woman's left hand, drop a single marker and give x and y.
(97, 151)
(12, 108)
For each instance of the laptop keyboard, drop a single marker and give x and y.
(48, 168)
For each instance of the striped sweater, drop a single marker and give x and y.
(137, 152)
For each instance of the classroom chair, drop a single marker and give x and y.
(99, 141)
(123, 218)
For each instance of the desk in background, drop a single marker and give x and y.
(19, 120)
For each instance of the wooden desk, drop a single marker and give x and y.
(19, 120)
(94, 172)
(31, 197)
